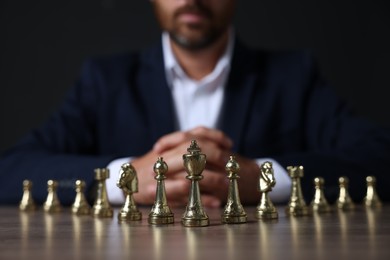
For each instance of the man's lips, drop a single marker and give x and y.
(191, 17)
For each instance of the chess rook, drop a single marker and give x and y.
(371, 199)
(344, 201)
(27, 203)
(52, 203)
(101, 206)
(296, 205)
(319, 203)
(194, 164)
(266, 209)
(160, 212)
(128, 182)
(234, 212)
(80, 205)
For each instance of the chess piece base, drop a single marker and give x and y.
(190, 222)
(160, 220)
(52, 209)
(346, 207)
(81, 211)
(103, 213)
(262, 214)
(130, 216)
(227, 219)
(373, 204)
(322, 208)
(301, 211)
(31, 207)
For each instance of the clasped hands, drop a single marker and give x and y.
(214, 186)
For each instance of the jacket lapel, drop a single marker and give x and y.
(156, 95)
(238, 95)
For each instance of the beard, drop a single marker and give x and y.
(204, 40)
(195, 36)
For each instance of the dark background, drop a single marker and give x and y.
(43, 43)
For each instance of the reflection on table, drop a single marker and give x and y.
(362, 233)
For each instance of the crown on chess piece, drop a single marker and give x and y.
(372, 199)
(344, 201)
(266, 209)
(52, 203)
(160, 213)
(319, 203)
(234, 212)
(27, 203)
(101, 207)
(296, 205)
(128, 182)
(80, 205)
(194, 163)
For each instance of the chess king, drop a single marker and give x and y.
(194, 163)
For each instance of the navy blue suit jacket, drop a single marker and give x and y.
(275, 105)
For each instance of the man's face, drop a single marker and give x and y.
(194, 24)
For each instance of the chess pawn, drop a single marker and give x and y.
(194, 164)
(371, 199)
(80, 205)
(234, 212)
(266, 209)
(27, 203)
(319, 203)
(52, 203)
(344, 201)
(128, 182)
(160, 213)
(101, 207)
(296, 205)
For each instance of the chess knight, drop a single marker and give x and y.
(128, 182)
(266, 209)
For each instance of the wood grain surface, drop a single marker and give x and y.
(358, 234)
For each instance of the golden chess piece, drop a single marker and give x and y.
(194, 163)
(344, 201)
(372, 199)
(296, 205)
(234, 212)
(320, 203)
(101, 207)
(128, 182)
(266, 209)
(80, 205)
(52, 203)
(160, 213)
(27, 203)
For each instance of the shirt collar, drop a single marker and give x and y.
(173, 68)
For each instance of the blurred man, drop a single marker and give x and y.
(199, 83)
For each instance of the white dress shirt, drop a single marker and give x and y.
(198, 103)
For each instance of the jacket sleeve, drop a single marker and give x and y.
(339, 143)
(63, 148)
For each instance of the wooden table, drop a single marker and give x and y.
(359, 234)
